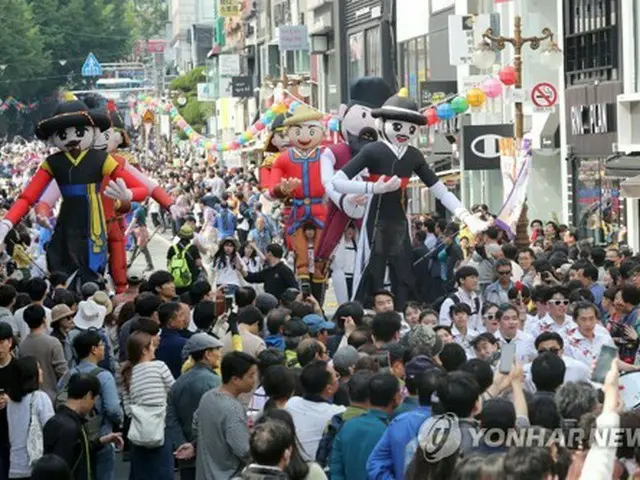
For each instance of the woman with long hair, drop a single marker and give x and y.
(251, 258)
(147, 382)
(228, 266)
(298, 468)
(28, 410)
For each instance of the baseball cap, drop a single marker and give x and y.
(316, 323)
(424, 338)
(295, 327)
(345, 358)
(88, 289)
(485, 336)
(6, 331)
(498, 413)
(265, 302)
(201, 341)
(417, 366)
(134, 277)
(289, 295)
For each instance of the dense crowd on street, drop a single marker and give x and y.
(217, 364)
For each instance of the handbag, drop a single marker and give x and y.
(35, 443)
(147, 425)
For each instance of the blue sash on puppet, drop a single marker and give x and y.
(97, 224)
(305, 203)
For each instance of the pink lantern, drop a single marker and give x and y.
(492, 88)
(288, 101)
(259, 126)
(508, 75)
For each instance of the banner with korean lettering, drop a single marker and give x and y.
(230, 8)
(515, 164)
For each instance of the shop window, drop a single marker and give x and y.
(591, 40)
(302, 62)
(373, 52)
(598, 208)
(356, 56)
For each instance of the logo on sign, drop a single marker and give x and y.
(486, 146)
(544, 96)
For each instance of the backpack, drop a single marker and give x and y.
(179, 267)
(437, 305)
(94, 420)
(323, 454)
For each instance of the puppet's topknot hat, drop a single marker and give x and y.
(70, 113)
(276, 126)
(369, 92)
(303, 114)
(400, 107)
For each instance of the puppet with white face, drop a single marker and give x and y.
(79, 243)
(358, 130)
(296, 177)
(385, 239)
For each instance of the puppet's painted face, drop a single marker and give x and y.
(281, 140)
(74, 138)
(358, 127)
(306, 136)
(398, 132)
(108, 140)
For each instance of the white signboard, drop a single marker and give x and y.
(232, 159)
(229, 65)
(226, 87)
(205, 92)
(293, 37)
(465, 32)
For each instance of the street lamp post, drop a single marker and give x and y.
(484, 57)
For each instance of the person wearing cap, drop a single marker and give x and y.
(344, 361)
(61, 325)
(134, 279)
(319, 327)
(141, 235)
(185, 394)
(7, 372)
(391, 162)
(191, 254)
(294, 331)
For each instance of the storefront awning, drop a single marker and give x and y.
(623, 166)
(631, 188)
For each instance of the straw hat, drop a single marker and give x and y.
(60, 312)
(303, 114)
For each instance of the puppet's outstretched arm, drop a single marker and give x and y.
(48, 200)
(154, 190)
(26, 200)
(451, 203)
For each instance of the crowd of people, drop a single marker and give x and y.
(217, 364)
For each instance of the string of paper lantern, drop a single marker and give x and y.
(287, 103)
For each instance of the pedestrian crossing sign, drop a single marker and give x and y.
(91, 67)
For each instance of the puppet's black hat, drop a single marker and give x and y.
(369, 92)
(70, 114)
(402, 108)
(277, 126)
(110, 114)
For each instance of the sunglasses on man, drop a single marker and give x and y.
(557, 303)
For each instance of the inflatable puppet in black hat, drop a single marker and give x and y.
(277, 139)
(73, 126)
(115, 137)
(358, 127)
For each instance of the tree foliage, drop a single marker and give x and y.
(194, 112)
(150, 18)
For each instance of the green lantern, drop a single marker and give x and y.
(459, 105)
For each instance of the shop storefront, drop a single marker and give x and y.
(596, 208)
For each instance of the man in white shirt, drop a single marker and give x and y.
(467, 281)
(575, 371)
(462, 333)
(37, 290)
(312, 412)
(585, 341)
(216, 185)
(556, 319)
(509, 331)
(538, 298)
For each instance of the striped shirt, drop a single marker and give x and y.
(150, 384)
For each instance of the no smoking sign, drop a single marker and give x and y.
(544, 97)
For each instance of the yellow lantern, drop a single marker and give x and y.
(475, 97)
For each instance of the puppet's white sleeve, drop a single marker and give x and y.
(448, 199)
(327, 171)
(51, 195)
(344, 184)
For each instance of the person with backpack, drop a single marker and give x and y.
(225, 221)
(184, 261)
(107, 414)
(467, 280)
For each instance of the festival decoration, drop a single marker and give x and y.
(475, 97)
(459, 105)
(508, 75)
(431, 114)
(492, 88)
(445, 111)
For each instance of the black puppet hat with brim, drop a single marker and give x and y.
(108, 113)
(369, 92)
(277, 126)
(73, 113)
(400, 108)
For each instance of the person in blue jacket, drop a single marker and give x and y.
(225, 222)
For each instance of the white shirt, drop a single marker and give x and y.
(227, 275)
(575, 372)
(310, 418)
(516, 272)
(531, 324)
(547, 324)
(465, 340)
(587, 351)
(525, 349)
(475, 319)
(21, 328)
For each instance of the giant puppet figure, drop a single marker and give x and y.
(295, 175)
(385, 240)
(358, 130)
(112, 141)
(79, 243)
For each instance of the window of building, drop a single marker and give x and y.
(356, 56)
(302, 62)
(373, 52)
(591, 40)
